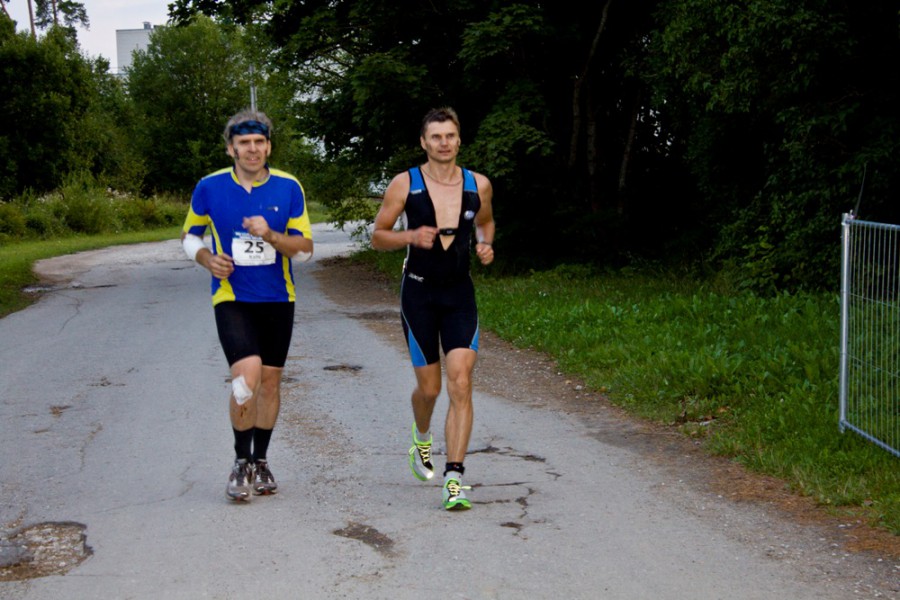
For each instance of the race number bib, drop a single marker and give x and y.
(250, 251)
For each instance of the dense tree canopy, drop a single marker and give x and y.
(734, 131)
(47, 88)
(781, 108)
(722, 134)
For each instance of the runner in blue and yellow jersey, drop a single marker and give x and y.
(445, 207)
(258, 222)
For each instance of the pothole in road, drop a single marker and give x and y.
(39, 289)
(367, 535)
(348, 368)
(52, 548)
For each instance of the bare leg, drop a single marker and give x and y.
(428, 386)
(268, 401)
(243, 416)
(460, 414)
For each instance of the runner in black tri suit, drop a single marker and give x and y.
(445, 207)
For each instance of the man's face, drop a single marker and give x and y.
(250, 151)
(441, 141)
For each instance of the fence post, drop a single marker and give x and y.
(845, 314)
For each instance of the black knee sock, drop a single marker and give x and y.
(261, 439)
(454, 466)
(243, 441)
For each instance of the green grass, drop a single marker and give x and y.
(755, 379)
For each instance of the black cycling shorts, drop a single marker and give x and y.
(437, 316)
(255, 329)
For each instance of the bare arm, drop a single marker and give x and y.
(384, 237)
(484, 221)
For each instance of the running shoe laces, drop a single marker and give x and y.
(420, 458)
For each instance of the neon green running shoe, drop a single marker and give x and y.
(420, 458)
(454, 496)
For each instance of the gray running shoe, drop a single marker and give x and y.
(454, 496)
(420, 458)
(239, 481)
(263, 480)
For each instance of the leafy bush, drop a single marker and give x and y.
(41, 223)
(12, 220)
(140, 213)
(84, 207)
(172, 208)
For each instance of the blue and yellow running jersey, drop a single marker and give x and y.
(220, 203)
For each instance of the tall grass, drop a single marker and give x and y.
(754, 378)
(83, 207)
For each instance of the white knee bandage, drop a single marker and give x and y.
(239, 389)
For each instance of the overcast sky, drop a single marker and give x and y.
(106, 16)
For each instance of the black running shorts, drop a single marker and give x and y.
(437, 316)
(255, 329)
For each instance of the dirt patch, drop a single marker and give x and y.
(528, 375)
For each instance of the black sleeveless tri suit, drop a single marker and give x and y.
(437, 298)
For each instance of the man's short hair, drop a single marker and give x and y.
(248, 121)
(439, 115)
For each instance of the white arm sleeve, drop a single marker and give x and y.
(192, 245)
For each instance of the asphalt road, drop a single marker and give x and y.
(115, 439)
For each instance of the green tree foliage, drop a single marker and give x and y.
(184, 87)
(549, 108)
(734, 133)
(781, 108)
(110, 152)
(64, 114)
(47, 89)
(366, 72)
(60, 13)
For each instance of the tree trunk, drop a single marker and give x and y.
(6, 12)
(579, 87)
(31, 19)
(626, 154)
(55, 15)
(592, 155)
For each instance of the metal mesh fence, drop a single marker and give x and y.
(870, 332)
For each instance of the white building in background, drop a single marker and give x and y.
(129, 40)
